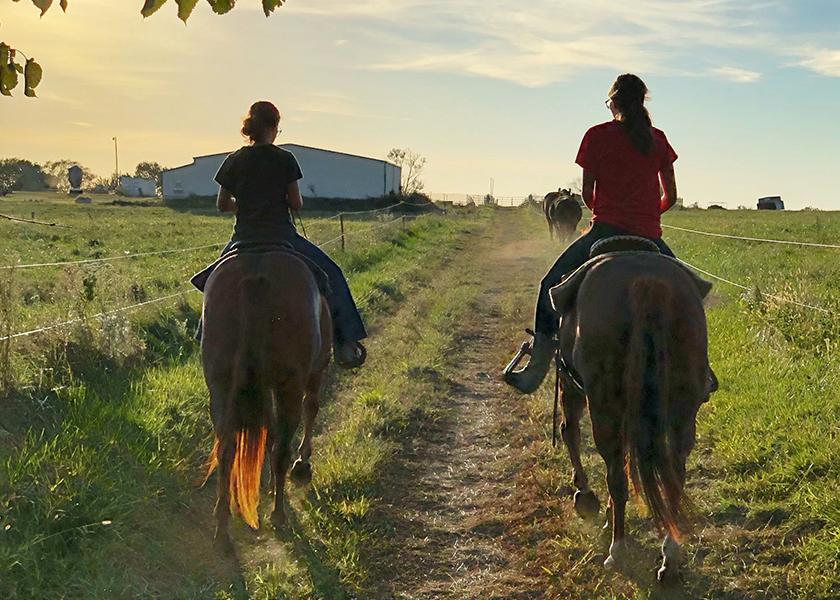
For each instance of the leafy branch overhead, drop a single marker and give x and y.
(10, 69)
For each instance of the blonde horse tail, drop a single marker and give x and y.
(653, 457)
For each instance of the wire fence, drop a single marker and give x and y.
(105, 314)
(753, 239)
(741, 286)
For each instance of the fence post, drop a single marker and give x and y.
(403, 222)
(341, 221)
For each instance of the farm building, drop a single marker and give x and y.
(326, 174)
(139, 187)
(771, 203)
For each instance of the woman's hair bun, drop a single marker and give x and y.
(262, 116)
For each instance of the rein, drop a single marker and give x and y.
(557, 360)
(302, 226)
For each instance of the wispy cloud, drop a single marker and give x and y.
(736, 74)
(823, 61)
(548, 41)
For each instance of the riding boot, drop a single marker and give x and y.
(349, 354)
(527, 380)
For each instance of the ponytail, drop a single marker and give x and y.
(629, 93)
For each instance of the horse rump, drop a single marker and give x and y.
(242, 428)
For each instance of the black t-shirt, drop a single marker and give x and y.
(258, 177)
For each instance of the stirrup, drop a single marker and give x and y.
(524, 350)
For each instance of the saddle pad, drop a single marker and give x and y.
(623, 243)
(564, 294)
(199, 280)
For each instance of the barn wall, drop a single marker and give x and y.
(193, 180)
(138, 186)
(333, 175)
(325, 175)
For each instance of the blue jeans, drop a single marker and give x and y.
(347, 322)
(546, 321)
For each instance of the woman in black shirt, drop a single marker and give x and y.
(259, 182)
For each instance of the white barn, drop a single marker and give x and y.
(326, 174)
(137, 186)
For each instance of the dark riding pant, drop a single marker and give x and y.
(546, 321)
(347, 322)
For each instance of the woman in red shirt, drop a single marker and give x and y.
(624, 163)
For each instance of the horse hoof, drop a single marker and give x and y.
(301, 473)
(610, 563)
(587, 504)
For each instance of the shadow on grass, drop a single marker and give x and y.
(326, 579)
(641, 563)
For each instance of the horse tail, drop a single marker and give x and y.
(653, 455)
(250, 399)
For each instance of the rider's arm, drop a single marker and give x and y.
(225, 202)
(669, 187)
(588, 188)
(293, 196)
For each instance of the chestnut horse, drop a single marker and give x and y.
(562, 213)
(265, 346)
(636, 339)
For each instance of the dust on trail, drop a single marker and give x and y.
(452, 500)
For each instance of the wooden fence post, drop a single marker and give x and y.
(403, 222)
(341, 221)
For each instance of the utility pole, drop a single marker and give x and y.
(116, 163)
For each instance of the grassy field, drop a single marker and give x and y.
(103, 427)
(767, 465)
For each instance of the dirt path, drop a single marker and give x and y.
(452, 500)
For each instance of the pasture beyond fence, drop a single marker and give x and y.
(381, 218)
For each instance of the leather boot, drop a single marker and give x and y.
(527, 380)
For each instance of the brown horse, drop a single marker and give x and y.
(562, 213)
(636, 338)
(265, 346)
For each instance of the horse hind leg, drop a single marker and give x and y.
(302, 469)
(671, 554)
(574, 402)
(225, 452)
(612, 450)
(284, 424)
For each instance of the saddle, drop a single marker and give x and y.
(199, 280)
(564, 294)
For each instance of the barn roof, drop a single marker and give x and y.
(195, 158)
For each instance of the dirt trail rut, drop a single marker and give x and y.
(454, 492)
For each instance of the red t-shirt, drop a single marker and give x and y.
(627, 192)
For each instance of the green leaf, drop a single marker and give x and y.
(44, 5)
(32, 75)
(185, 8)
(8, 78)
(150, 7)
(270, 5)
(4, 53)
(220, 7)
(17, 67)
(4, 91)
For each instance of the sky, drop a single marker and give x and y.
(748, 91)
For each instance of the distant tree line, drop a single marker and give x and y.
(21, 175)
